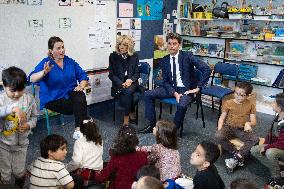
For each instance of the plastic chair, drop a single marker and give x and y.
(197, 99)
(48, 113)
(144, 70)
(219, 91)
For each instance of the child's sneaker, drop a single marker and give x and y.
(275, 183)
(231, 164)
(77, 134)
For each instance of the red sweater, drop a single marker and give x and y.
(277, 140)
(123, 169)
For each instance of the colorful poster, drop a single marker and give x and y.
(125, 10)
(149, 9)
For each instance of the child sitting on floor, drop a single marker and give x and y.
(203, 158)
(88, 152)
(125, 161)
(272, 151)
(48, 171)
(18, 116)
(236, 121)
(165, 154)
(242, 184)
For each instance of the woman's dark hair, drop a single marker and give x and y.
(243, 184)
(14, 78)
(166, 134)
(280, 100)
(125, 142)
(52, 41)
(90, 130)
(174, 36)
(51, 142)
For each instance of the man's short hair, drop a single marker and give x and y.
(212, 152)
(174, 36)
(51, 142)
(14, 78)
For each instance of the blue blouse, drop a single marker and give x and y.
(59, 82)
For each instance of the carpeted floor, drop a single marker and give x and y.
(193, 134)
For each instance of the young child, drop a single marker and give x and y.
(243, 184)
(272, 150)
(88, 152)
(17, 118)
(48, 171)
(236, 121)
(125, 161)
(203, 158)
(165, 154)
(148, 182)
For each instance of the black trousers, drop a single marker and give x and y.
(76, 104)
(127, 100)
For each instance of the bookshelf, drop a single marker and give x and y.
(241, 45)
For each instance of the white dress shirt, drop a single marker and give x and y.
(178, 79)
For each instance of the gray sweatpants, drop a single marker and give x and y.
(270, 159)
(12, 161)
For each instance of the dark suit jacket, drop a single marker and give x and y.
(187, 64)
(116, 73)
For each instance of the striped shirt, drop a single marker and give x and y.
(47, 173)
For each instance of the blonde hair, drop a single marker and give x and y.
(130, 44)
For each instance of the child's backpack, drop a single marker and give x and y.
(279, 81)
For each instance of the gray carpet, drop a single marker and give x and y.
(193, 134)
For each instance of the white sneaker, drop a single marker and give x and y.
(231, 163)
(77, 134)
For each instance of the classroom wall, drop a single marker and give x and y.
(151, 27)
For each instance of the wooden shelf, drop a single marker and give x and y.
(240, 39)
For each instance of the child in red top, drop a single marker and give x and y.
(125, 161)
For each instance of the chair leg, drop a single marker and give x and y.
(220, 108)
(202, 113)
(62, 119)
(161, 109)
(136, 112)
(181, 130)
(171, 109)
(113, 118)
(47, 122)
(213, 104)
(197, 108)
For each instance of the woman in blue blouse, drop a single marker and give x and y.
(61, 82)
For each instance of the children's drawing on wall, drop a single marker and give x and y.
(12, 1)
(168, 28)
(149, 9)
(160, 43)
(135, 23)
(65, 23)
(135, 34)
(34, 2)
(121, 32)
(125, 10)
(36, 27)
(64, 2)
(123, 23)
(78, 3)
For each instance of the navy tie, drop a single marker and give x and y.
(174, 73)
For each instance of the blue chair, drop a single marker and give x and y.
(48, 113)
(197, 99)
(144, 83)
(218, 91)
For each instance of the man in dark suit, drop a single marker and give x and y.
(179, 81)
